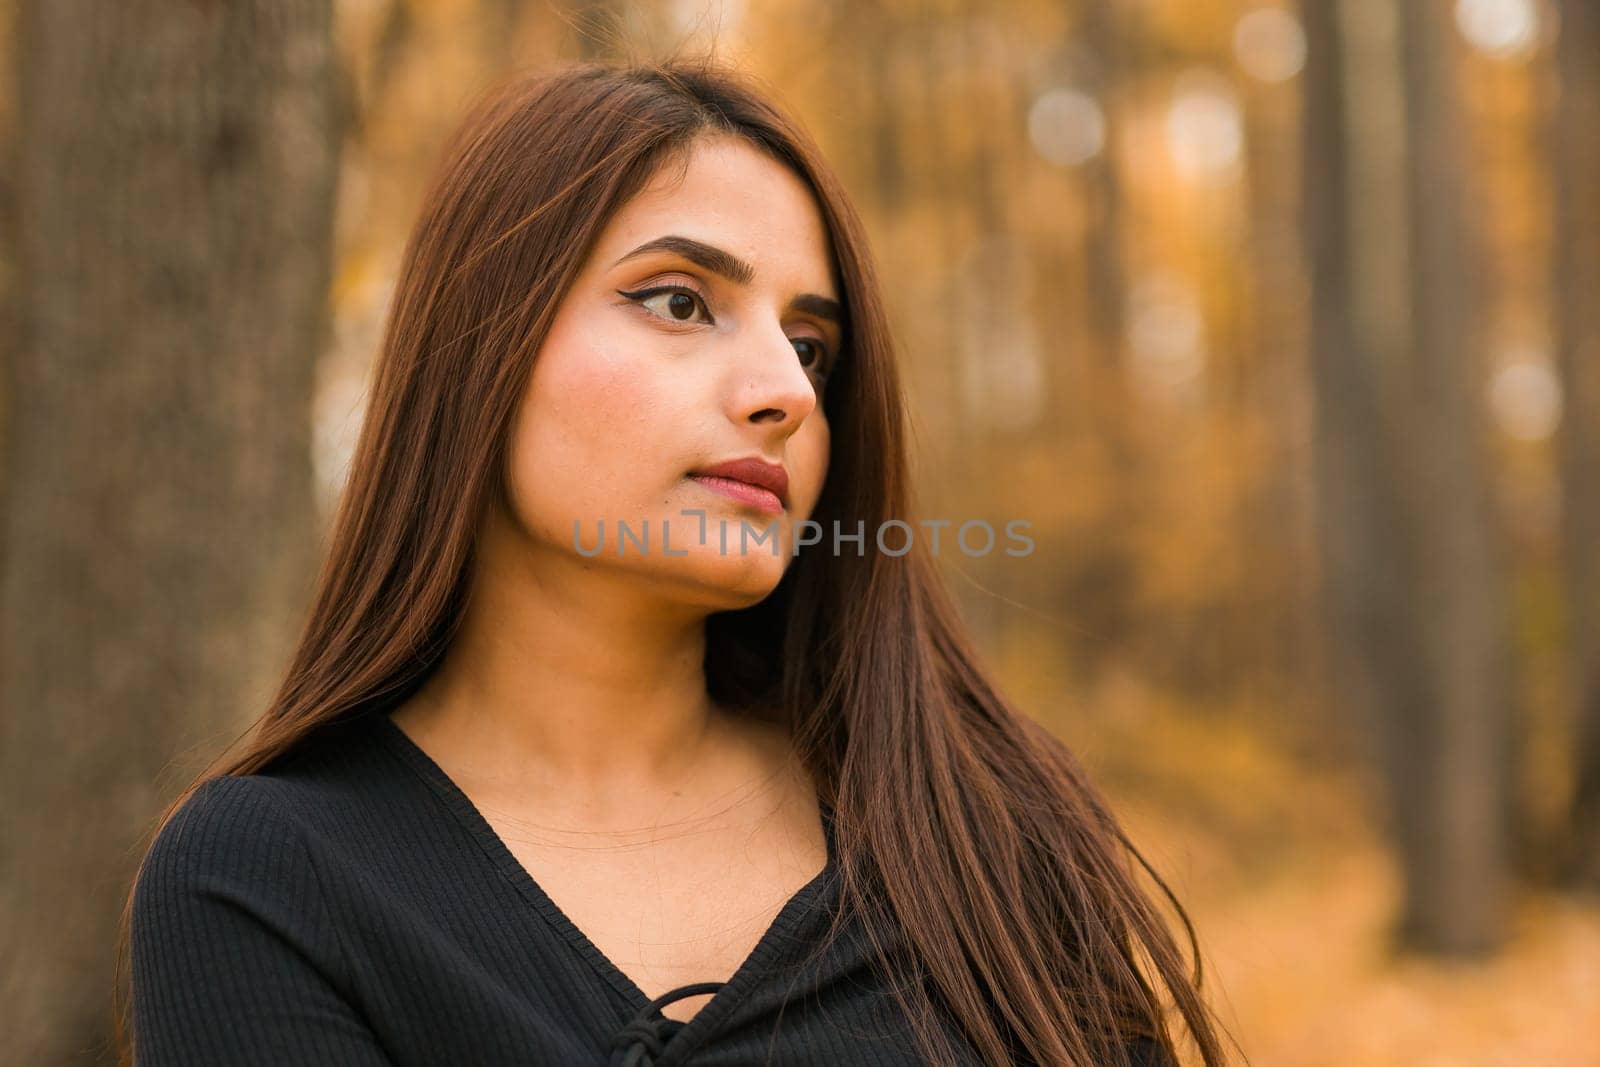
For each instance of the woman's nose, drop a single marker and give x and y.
(771, 384)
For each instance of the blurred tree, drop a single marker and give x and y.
(1412, 575)
(1103, 575)
(1576, 287)
(1106, 264)
(175, 193)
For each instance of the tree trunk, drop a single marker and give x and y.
(1412, 574)
(175, 194)
(1576, 285)
(1467, 794)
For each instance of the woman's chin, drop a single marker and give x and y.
(724, 582)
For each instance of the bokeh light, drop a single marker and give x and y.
(1270, 44)
(1166, 335)
(1066, 126)
(1525, 396)
(1205, 128)
(1506, 29)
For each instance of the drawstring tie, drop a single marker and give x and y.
(639, 1043)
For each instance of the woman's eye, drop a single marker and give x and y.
(671, 302)
(817, 351)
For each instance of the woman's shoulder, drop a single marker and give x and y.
(227, 826)
(229, 921)
(270, 821)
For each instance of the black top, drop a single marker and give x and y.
(349, 905)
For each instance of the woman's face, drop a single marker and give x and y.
(700, 331)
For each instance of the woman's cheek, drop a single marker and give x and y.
(810, 448)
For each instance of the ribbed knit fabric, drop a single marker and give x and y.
(350, 905)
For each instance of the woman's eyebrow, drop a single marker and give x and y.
(821, 306)
(730, 266)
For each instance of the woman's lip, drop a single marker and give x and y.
(756, 496)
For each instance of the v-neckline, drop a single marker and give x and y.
(754, 966)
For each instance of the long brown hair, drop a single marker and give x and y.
(965, 831)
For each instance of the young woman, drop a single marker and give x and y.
(594, 750)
